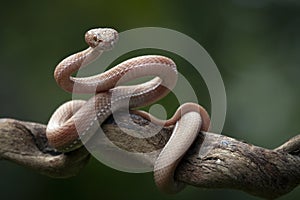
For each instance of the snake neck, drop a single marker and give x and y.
(70, 65)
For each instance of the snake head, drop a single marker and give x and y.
(101, 38)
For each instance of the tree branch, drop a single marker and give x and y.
(229, 163)
(25, 143)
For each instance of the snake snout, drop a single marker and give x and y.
(102, 38)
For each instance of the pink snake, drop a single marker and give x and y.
(64, 135)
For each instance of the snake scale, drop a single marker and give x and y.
(64, 135)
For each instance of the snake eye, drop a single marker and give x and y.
(95, 38)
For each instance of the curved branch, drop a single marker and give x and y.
(229, 163)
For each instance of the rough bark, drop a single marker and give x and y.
(228, 164)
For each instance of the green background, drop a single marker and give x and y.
(255, 45)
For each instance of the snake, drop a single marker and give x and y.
(67, 129)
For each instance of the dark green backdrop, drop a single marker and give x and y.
(254, 43)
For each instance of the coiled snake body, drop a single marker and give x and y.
(64, 135)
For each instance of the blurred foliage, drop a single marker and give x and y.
(255, 45)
